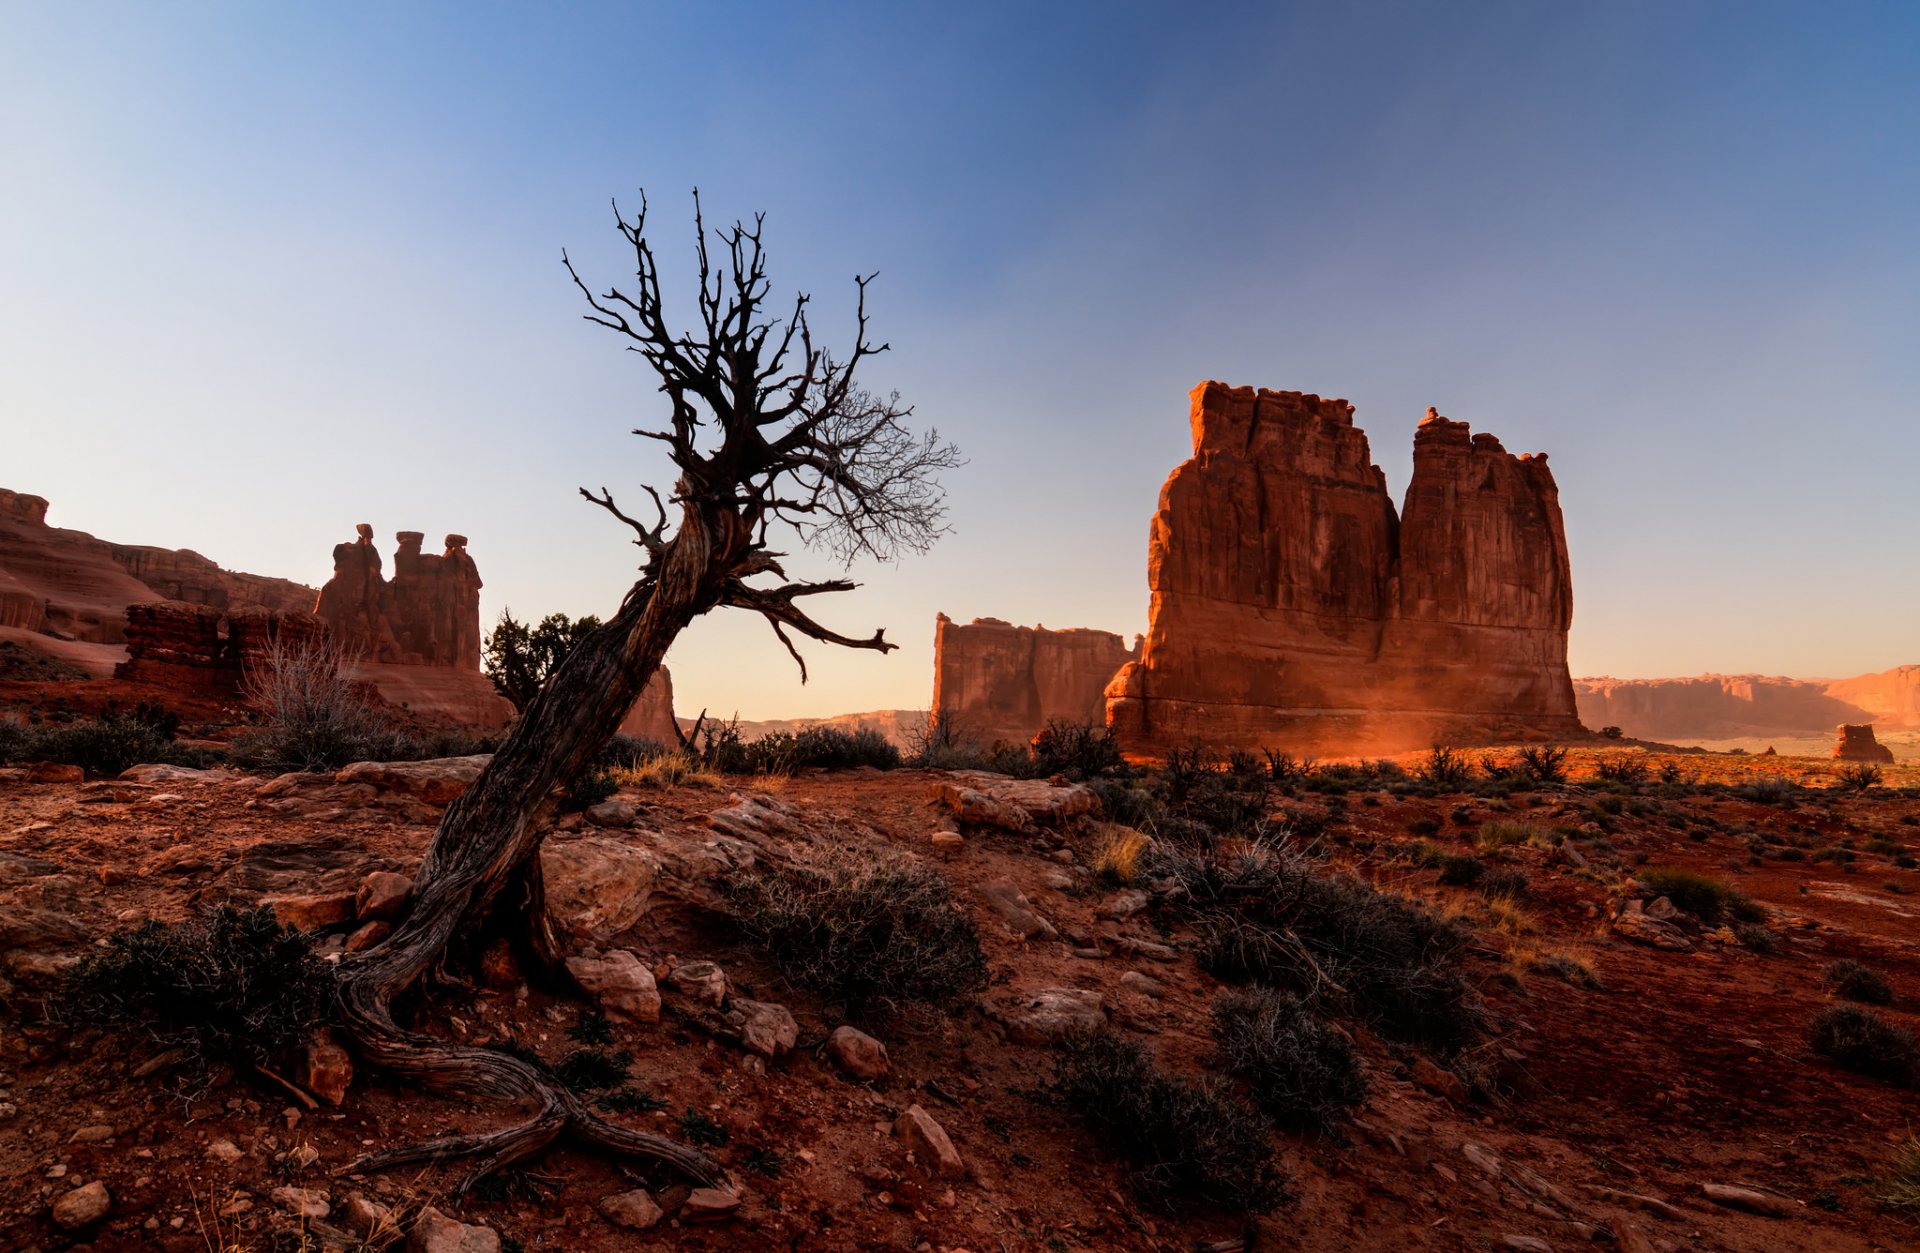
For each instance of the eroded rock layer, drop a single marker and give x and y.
(1293, 608)
(996, 681)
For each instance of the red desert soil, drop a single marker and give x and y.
(1680, 1069)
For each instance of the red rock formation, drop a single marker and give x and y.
(429, 615)
(70, 586)
(651, 717)
(1292, 608)
(201, 650)
(996, 681)
(1718, 706)
(1857, 743)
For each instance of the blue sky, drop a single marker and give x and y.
(271, 270)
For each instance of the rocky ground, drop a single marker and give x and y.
(1610, 1113)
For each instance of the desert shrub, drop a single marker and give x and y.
(1286, 770)
(862, 929)
(1612, 733)
(1768, 790)
(1855, 982)
(1544, 763)
(1504, 832)
(1206, 796)
(15, 738)
(1078, 750)
(1857, 778)
(1304, 1072)
(1757, 938)
(1563, 966)
(108, 744)
(1885, 847)
(231, 987)
(589, 788)
(1265, 915)
(1707, 899)
(313, 715)
(1117, 862)
(1185, 1141)
(1900, 1190)
(1625, 768)
(1123, 801)
(1459, 870)
(697, 1128)
(1423, 825)
(1445, 769)
(593, 1069)
(1672, 774)
(1865, 1043)
(1503, 884)
(721, 748)
(521, 658)
(831, 748)
(945, 743)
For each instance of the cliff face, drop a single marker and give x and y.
(1293, 608)
(996, 681)
(71, 586)
(1720, 706)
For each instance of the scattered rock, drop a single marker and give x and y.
(1049, 1015)
(367, 936)
(857, 1054)
(434, 1232)
(364, 1216)
(1439, 1080)
(436, 781)
(1015, 909)
(1661, 909)
(709, 1205)
(329, 1069)
(311, 913)
(947, 841)
(223, 1151)
(1748, 1199)
(98, 1133)
(763, 1027)
(596, 887)
(1651, 931)
(307, 1203)
(54, 772)
(1123, 904)
(620, 984)
(382, 896)
(159, 772)
(613, 813)
(82, 1207)
(928, 1141)
(634, 1209)
(994, 800)
(755, 817)
(1525, 1244)
(701, 982)
(1145, 985)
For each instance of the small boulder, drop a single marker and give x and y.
(635, 1209)
(1015, 910)
(620, 984)
(82, 1207)
(857, 1054)
(306, 1203)
(434, 1232)
(368, 935)
(366, 1217)
(1641, 929)
(947, 842)
(927, 1140)
(225, 1151)
(311, 913)
(613, 813)
(709, 1205)
(596, 887)
(1049, 1015)
(436, 781)
(1145, 985)
(1749, 1199)
(55, 772)
(329, 1069)
(701, 982)
(763, 1027)
(382, 896)
(1122, 905)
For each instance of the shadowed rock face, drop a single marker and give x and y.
(1292, 608)
(996, 681)
(1858, 743)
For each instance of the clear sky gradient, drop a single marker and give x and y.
(269, 270)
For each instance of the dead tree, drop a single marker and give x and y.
(771, 436)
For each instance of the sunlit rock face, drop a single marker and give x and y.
(993, 681)
(1293, 608)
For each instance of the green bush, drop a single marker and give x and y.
(1266, 916)
(231, 987)
(1302, 1071)
(1709, 900)
(862, 929)
(102, 746)
(721, 747)
(1185, 1141)
(1856, 982)
(1864, 1043)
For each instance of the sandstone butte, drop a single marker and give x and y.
(993, 681)
(174, 621)
(1293, 608)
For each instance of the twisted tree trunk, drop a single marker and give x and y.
(483, 868)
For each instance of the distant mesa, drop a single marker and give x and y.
(994, 681)
(1293, 608)
(1722, 706)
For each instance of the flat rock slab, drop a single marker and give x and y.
(596, 887)
(1749, 1199)
(1050, 1015)
(1006, 899)
(1651, 931)
(986, 799)
(437, 781)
